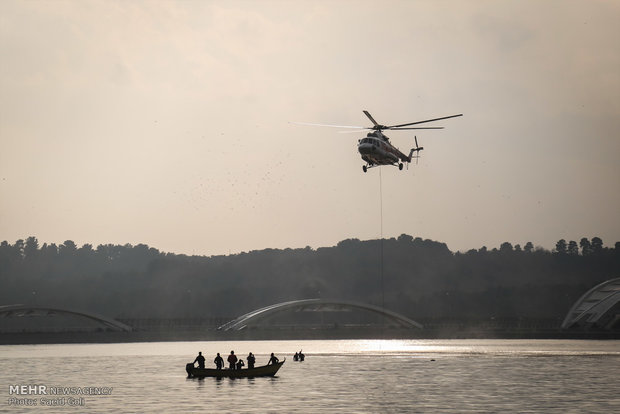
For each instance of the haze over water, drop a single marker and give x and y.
(362, 376)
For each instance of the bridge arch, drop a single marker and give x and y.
(314, 304)
(599, 308)
(20, 311)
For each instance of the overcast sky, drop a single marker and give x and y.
(171, 123)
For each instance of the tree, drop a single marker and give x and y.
(18, 248)
(597, 245)
(68, 247)
(505, 247)
(405, 238)
(586, 248)
(528, 247)
(31, 248)
(560, 246)
(49, 250)
(573, 249)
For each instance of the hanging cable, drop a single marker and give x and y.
(381, 235)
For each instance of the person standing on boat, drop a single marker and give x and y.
(200, 359)
(273, 360)
(240, 363)
(219, 361)
(251, 361)
(232, 360)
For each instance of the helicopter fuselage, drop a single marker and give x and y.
(376, 149)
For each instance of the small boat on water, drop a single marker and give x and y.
(262, 371)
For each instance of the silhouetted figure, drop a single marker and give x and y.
(296, 357)
(219, 361)
(200, 359)
(301, 356)
(251, 361)
(240, 363)
(273, 360)
(232, 360)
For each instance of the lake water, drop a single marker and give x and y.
(338, 376)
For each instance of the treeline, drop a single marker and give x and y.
(419, 278)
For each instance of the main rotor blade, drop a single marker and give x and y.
(422, 122)
(400, 129)
(327, 125)
(371, 118)
(353, 132)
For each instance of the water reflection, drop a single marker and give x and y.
(262, 349)
(345, 376)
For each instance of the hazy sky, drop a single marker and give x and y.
(170, 123)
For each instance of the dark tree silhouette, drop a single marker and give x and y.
(505, 247)
(420, 278)
(586, 247)
(573, 249)
(560, 246)
(528, 247)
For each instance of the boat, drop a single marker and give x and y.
(262, 371)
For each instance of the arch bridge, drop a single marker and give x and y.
(598, 308)
(22, 311)
(315, 305)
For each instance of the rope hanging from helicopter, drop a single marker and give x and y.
(381, 238)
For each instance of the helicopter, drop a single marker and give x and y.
(376, 149)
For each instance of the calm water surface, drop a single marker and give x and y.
(353, 376)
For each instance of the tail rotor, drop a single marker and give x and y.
(417, 150)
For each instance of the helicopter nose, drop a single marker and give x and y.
(365, 148)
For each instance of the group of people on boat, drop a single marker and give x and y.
(299, 356)
(233, 361)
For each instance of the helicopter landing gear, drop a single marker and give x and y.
(400, 166)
